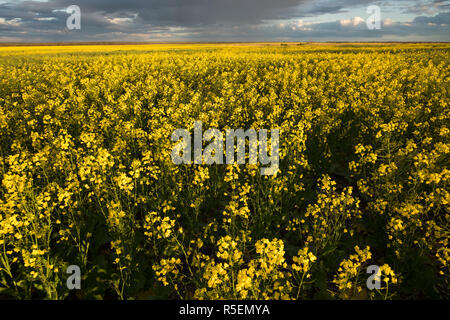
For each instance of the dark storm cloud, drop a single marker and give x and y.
(103, 17)
(183, 13)
(163, 12)
(199, 20)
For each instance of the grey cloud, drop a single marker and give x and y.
(428, 7)
(163, 12)
(439, 19)
(195, 20)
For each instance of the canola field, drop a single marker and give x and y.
(87, 177)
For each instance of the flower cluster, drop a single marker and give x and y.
(87, 178)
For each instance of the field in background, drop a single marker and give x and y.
(87, 177)
(73, 48)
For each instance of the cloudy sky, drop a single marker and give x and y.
(224, 20)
